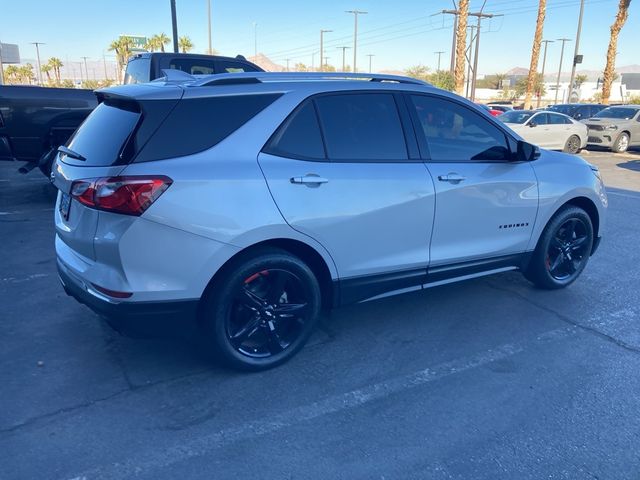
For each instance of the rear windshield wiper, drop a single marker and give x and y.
(70, 153)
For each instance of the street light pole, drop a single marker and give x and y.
(575, 53)
(174, 26)
(86, 70)
(344, 66)
(209, 25)
(544, 62)
(563, 40)
(370, 55)
(322, 32)
(255, 41)
(439, 56)
(355, 35)
(37, 44)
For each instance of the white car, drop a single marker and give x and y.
(554, 131)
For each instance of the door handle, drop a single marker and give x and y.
(310, 179)
(452, 178)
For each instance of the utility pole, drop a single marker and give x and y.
(469, 56)
(344, 67)
(370, 55)
(544, 62)
(209, 25)
(576, 58)
(563, 40)
(287, 60)
(174, 26)
(480, 16)
(325, 60)
(104, 64)
(86, 71)
(355, 35)
(439, 56)
(37, 44)
(255, 41)
(455, 13)
(322, 32)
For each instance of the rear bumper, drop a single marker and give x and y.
(136, 318)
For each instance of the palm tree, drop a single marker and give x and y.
(185, 44)
(461, 45)
(609, 70)
(46, 69)
(55, 63)
(499, 79)
(122, 47)
(161, 40)
(535, 55)
(151, 44)
(579, 80)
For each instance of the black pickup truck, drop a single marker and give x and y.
(35, 121)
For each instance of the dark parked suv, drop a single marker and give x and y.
(578, 111)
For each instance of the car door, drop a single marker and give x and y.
(538, 132)
(559, 131)
(486, 203)
(341, 171)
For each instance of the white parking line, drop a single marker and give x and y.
(20, 212)
(25, 279)
(158, 459)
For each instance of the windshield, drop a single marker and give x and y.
(515, 116)
(617, 112)
(566, 109)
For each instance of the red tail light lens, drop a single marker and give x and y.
(130, 195)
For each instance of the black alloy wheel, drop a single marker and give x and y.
(568, 249)
(260, 311)
(563, 249)
(268, 313)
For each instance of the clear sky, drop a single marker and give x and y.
(398, 33)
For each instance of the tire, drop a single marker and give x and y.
(572, 145)
(563, 249)
(261, 310)
(621, 144)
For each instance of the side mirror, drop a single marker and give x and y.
(527, 152)
(533, 124)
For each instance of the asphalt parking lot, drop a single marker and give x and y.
(486, 379)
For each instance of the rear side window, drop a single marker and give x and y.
(361, 127)
(455, 133)
(234, 67)
(557, 119)
(138, 71)
(540, 119)
(193, 66)
(299, 136)
(102, 136)
(198, 124)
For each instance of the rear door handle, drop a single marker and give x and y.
(452, 178)
(311, 179)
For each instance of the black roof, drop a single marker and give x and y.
(187, 55)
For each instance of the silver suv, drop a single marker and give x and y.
(254, 201)
(615, 127)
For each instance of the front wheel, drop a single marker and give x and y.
(262, 310)
(573, 144)
(563, 249)
(621, 144)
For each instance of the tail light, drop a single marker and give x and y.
(130, 195)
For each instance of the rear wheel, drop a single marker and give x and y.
(262, 310)
(563, 250)
(573, 144)
(621, 144)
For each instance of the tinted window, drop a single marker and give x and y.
(456, 133)
(556, 119)
(617, 112)
(102, 135)
(515, 116)
(566, 109)
(200, 123)
(138, 71)
(299, 136)
(193, 66)
(362, 127)
(540, 119)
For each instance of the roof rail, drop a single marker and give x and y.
(261, 77)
